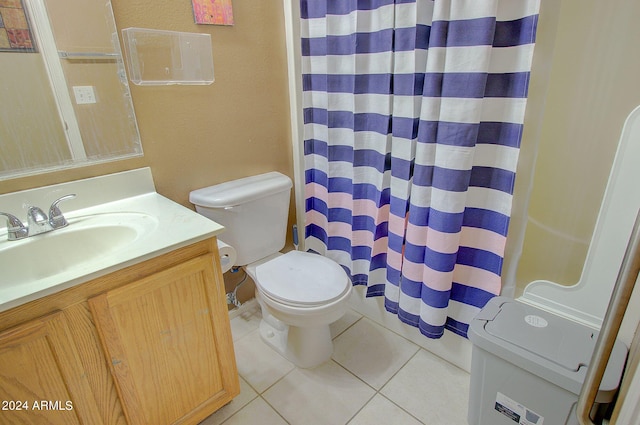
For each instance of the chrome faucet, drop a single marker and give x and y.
(15, 229)
(37, 221)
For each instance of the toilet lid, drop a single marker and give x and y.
(302, 278)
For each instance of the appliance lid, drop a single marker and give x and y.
(302, 278)
(237, 192)
(545, 344)
(561, 341)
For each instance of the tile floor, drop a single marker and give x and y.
(375, 377)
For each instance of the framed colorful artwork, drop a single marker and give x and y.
(213, 12)
(15, 30)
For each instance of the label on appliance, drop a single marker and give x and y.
(536, 321)
(516, 411)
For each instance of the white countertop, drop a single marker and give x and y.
(172, 226)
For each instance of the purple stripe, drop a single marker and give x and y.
(460, 85)
(486, 219)
(483, 32)
(448, 133)
(516, 33)
(347, 119)
(424, 255)
(500, 133)
(480, 259)
(454, 326)
(492, 178)
(317, 9)
(356, 43)
(442, 178)
(469, 295)
(471, 32)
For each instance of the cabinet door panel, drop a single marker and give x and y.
(41, 377)
(171, 360)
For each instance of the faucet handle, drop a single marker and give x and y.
(56, 219)
(15, 229)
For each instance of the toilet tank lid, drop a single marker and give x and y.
(237, 192)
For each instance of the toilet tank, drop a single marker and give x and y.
(253, 210)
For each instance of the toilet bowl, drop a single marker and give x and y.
(300, 293)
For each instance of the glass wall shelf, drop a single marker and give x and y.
(158, 57)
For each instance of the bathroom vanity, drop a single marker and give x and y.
(143, 341)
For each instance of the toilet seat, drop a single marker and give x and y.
(302, 279)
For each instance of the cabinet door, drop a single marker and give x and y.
(41, 377)
(169, 345)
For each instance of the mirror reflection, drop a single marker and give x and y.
(64, 92)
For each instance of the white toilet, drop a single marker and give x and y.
(300, 293)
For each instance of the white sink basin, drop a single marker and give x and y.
(115, 221)
(85, 240)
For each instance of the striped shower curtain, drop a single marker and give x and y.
(413, 113)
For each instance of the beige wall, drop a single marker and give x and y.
(591, 70)
(28, 113)
(194, 136)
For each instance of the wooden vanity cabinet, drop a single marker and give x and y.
(41, 378)
(165, 351)
(148, 344)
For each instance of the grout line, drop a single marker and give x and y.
(400, 407)
(347, 328)
(274, 409)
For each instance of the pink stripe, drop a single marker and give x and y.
(314, 217)
(412, 270)
(440, 281)
(338, 228)
(396, 224)
(477, 278)
(483, 239)
(446, 243)
(394, 259)
(362, 238)
(340, 200)
(380, 246)
(315, 190)
(369, 208)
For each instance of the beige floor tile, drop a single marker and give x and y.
(258, 412)
(325, 395)
(432, 390)
(247, 394)
(371, 352)
(382, 411)
(258, 363)
(246, 322)
(344, 322)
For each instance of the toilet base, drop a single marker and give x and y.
(305, 347)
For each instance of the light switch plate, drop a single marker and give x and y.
(84, 94)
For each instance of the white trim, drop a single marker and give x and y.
(292, 36)
(46, 42)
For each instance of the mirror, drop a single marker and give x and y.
(64, 90)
